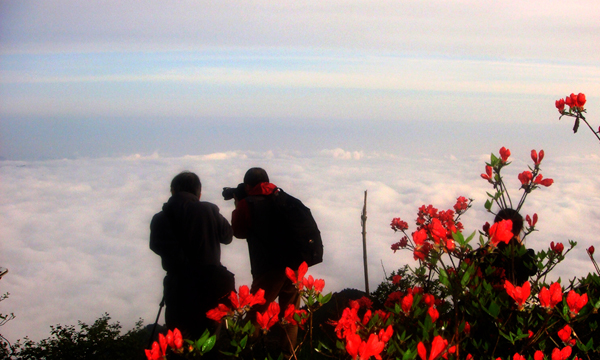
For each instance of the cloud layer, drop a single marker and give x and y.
(75, 232)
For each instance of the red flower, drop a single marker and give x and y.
(461, 204)
(429, 299)
(386, 335)
(396, 279)
(437, 346)
(530, 222)
(399, 225)
(400, 244)
(296, 277)
(501, 232)
(518, 356)
(269, 317)
(290, 315)
(353, 342)
(539, 355)
(560, 105)
(162, 341)
(433, 313)
(561, 354)
(576, 302)
(504, 154)
(539, 180)
(365, 302)
(407, 302)
(488, 173)
(218, 313)
(573, 99)
(372, 347)
(245, 300)
(569, 101)
(565, 333)
(518, 293)
(550, 298)
(558, 248)
(591, 250)
(525, 177)
(155, 353)
(534, 156)
(580, 100)
(467, 327)
(438, 231)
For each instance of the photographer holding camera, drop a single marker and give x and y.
(255, 218)
(187, 234)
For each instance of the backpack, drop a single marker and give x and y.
(300, 227)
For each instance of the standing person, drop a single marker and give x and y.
(187, 234)
(256, 220)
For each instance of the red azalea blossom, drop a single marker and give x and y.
(296, 277)
(537, 159)
(399, 225)
(560, 105)
(462, 204)
(550, 298)
(396, 279)
(218, 313)
(525, 177)
(386, 335)
(558, 248)
(290, 315)
(518, 293)
(372, 347)
(407, 302)
(365, 302)
(565, 333)
(400, 244)
(518, 356)
(539, 355)
(488, 173)
(591, 250)
(580, 100)
(501, 232)
(531, 222)
(539, 180)
(353, 342)
(433, 313)
(243, 299)
(576, 302)
(561, 354)
(504, 154)
(269, 317)
(437, 346)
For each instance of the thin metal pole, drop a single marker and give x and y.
(363, 219)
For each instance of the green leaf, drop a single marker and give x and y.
(244, 341)
(326, 298)
(208, 345)
(488, 205)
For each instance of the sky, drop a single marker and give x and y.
(103, 102)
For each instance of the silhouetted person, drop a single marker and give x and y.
(187, 234)
(256, 220)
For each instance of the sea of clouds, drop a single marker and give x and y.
(75, 231)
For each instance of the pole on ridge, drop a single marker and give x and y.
(363, 220)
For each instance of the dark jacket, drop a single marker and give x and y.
(187, 234)
(256, 219)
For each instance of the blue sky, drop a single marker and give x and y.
(103, 102)
(228, 67)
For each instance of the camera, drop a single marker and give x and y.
(238, 192)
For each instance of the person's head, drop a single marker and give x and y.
(515, 217)
(255, 176)
(186, 181)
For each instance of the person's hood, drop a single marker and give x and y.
(264, 188)
(177, 203)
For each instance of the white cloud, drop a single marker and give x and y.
(77, 231)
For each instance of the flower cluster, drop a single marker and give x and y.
(173, 340)
(434, 231)
(574, 102)
(520, 294)
(350, 327)
(241, 303)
